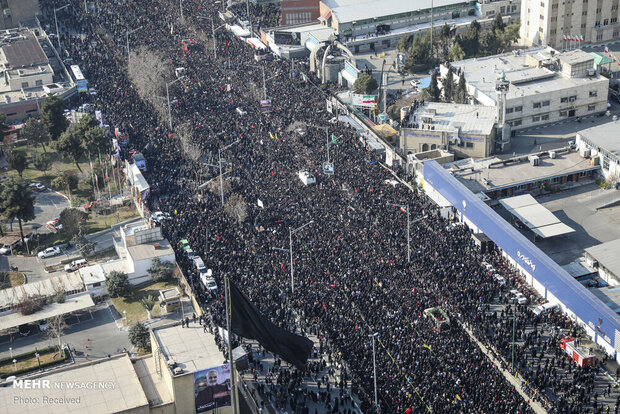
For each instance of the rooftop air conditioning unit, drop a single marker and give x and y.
(552, 154)
(178, 370)
(591, 72)
(585, 152)
(535, 160)
(592, 262)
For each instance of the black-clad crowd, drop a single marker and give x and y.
(351, 273)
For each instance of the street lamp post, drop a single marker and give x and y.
(128, 54)
(290, 239)
(168, 100)
(213, 29)
(56, 20)
(15, 364)
(409, 222)
(514, 323)
(38, 359)
(11, 351)
(219, 161)
(374, 366)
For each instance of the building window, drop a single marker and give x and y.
(614, 20)
(605, 163)
(572, 98)
(97, 284)
(469, 144)
(502, 9)
(556, 180)
(544, 117)
(593, 94)
(605, 22)
(518, 108)
(564, 100)
(509, 110)
(599, 36)
(11, 114)
(584, 13)
(546, 103)
(563, 113)
(24, 84)
(591, 107)
(39, 83)
(535, 118)
(536, 105)
(515, 123)
(31, 111)
(616, 33)
(583, 25)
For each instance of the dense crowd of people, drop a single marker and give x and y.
(352, 277)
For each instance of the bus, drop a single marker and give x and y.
(78, 77)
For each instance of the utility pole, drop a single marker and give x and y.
(290, 246)
(214, 41)
(264, 85)
(432, 28)
(181, 6)
(233, 379)
(374, 367)
(56, 20)
(514, 323)
(128, 54)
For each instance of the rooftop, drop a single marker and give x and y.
(190, 348)
(355, 10)
(24, 53)
(66, 282)
(481, 74)
(604, 136)
(149, 250)
(97, 273)
(119, 389)
(575, 56)
(607, 255)
(471, 119)
(491, 174)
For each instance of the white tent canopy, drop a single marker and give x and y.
(536, 217)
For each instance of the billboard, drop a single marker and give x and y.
(367, 101)
(287, 38)
(212, 388)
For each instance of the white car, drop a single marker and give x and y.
(414, 83)
(211, 285)
(500, 279)
(159, 216)
(5, 249)
(49, 252)
(38, 187)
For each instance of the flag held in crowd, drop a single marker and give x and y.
(248, 322)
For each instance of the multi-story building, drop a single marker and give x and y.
(491, 8)
(546, 22)
(16, 11)
(299, 11)
(543, 86)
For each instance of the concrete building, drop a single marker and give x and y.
(546, 23)
(606, 259)
(466, 130)
(543, 85)
(15, 12)
(32, 71)
(490, 8)
(603, 144)
(298, 11)
(533, 174)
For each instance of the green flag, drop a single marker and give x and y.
(334, 141)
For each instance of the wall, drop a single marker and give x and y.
(433, 139)
(17, 11)
(613, 160)
(140, 268)
(510, 8)
(290, 7)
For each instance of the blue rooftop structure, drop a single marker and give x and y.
(550, 279)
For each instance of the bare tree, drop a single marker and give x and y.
(214, 185)
(236, 207)
(148, 72)
(56, 330)
(185, 133)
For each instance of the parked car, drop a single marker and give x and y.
(158, 217)
(190, 253)
(5, 249)
(499, 278)
(49, 252)
(89, 206)
(54, 225)
(43, 325)
(211, 285)
(75, 265)
(24, 330)
(38, 187)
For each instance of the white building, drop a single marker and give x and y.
(546, 22)
(544, 86)
(603, 144)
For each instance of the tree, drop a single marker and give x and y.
(148, 303)
(405, 43)
(56, 328)
(42, 163)
(139, 336)
(236, 208)
(489, 43)
(456, 53)
(418, 55)
(70, 145)
(365, 83)
(36, 132)
(95, 141)
(18, 162)
(470, 42)
(510, 34)
(117, 284)
(433, 88)
(160, 271)
(52, 115)
(17, 202)
(148, 72)
(498, 23)
(3, 125)
(461, 90)
(84, 246)
(448, 86)
(72, 221)
(65, 182)
(85, 123)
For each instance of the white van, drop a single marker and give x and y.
(545, 308)
(75, 265)
(200, 265)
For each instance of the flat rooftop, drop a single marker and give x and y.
(609, 295)
(191, 348)
(354, 10)
(608, 255)
(575, 56)
(117, 389)
(66, 282)
(148, 250)
(604, 136)
(481, 74)
(471, 119)
(24, 53)
(477, 176)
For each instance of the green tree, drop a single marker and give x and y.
(18, 161)
(3, 125)
(489, 43)
(117, 284)
(65, 182)
(139, 336)
(84, 246)
(160, 271)
(365, 83)
(36, 133)
(17, 202)
(418, 55)
(85, 123)
(498, 23)
(404, 43)
(456, 53)
(148, 303)
(461, 90)
(471, 39)
(510, 34)
(95, 141)
(42, 163)
(433, 88)
(70, 145)
(52, 115)
(72, 220)
(448, 86)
